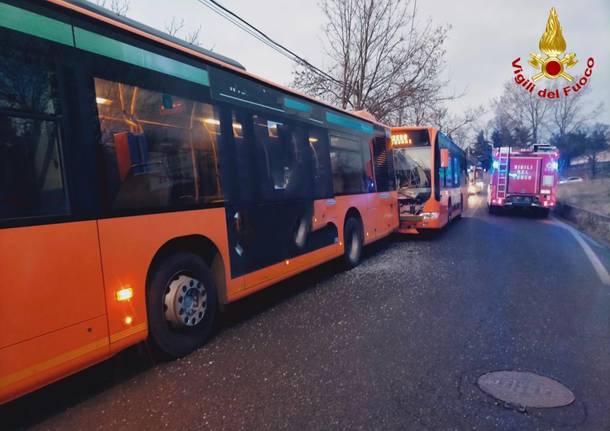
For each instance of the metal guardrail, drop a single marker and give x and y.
(584, 170)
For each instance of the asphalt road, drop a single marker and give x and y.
(397, 343)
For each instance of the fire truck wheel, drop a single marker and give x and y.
(544, 212)
(492, 210)
(182, 301)
(353, 237)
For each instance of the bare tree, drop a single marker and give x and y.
(193, 36)
(459, 127)
(597, 141)
(519, 111)
(120, 7)
(571, 113)
(569, 121)
(174, 26)
(379, 57)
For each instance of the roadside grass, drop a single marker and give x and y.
(591, 195)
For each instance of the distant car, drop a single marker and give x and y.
(475, 180)
(475, 188)
(570, 180)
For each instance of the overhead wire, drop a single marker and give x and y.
(262, 37)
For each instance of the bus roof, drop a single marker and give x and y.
(86, 8)
(138, 25)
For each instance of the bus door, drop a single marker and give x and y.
(386, 207)
(270, 210)
(373, 201)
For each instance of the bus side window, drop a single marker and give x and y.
(369, 182)
(161, 151)
(32, 178)
(281, 153)
(349, 176)
(245, 189)
(384, 165)
(320, 163)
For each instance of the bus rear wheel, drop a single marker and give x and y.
(182, 302)
(354, 241)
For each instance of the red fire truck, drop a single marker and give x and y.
(524, 178)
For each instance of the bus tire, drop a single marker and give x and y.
(353, 237)
(182, 301)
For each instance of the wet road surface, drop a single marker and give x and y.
(397, 343)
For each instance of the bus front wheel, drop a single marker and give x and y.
(182, 302)
(354, 240)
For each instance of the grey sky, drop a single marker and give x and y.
(486, 36)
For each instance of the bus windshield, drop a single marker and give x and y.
(413, 172)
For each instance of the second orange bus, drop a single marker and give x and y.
(432, 179)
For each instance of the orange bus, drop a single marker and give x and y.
(431, 178)
(146, 182)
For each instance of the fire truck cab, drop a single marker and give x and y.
(524, 178)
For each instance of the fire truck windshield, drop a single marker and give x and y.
(413, 171)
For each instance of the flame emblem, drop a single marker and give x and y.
(553, 45)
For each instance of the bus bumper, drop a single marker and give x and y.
(529, 201)
(413, 224)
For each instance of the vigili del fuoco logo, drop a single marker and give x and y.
(553, 64)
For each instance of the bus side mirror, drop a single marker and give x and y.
(444, 158)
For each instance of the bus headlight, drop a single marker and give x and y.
(430, 216)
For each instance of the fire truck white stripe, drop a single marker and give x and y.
(599, 267)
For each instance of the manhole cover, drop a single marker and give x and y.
(525, 389)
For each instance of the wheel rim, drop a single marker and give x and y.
(185, 301)
(354, 247)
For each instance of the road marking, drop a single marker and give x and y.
(599, 267)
